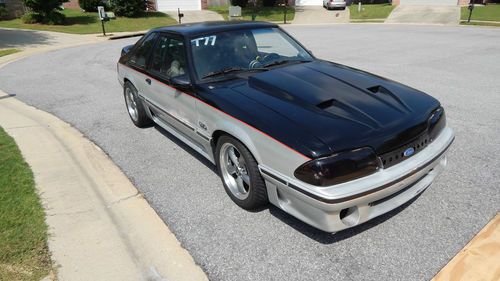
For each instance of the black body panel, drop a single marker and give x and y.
(343, 107)
(316, 108)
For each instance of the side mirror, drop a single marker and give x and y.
(126, 49)
(181, 82)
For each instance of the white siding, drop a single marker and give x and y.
(430, 2)
(184, 5)
(308, 2)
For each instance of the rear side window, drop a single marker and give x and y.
(140, 56)
(168, 58)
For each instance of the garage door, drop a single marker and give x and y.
(308, 2)
(430, 2)
(173, 5)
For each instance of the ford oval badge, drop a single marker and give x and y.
(409, 152)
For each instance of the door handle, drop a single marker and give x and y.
(148, 81)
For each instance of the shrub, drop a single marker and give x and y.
(31, 18)
(128, 8)
(270, 3)
(90, 5)
(3, 13)
(51, 18)
(241, 3)
(44, 11)
(54, 18)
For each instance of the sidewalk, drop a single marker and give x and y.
(100, 227)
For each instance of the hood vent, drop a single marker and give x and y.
(325, 104)
(379, 89)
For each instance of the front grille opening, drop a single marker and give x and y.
(396, 156)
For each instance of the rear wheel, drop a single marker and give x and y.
(135, 107)
(240, 174)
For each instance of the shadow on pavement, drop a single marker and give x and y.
(188, 149)
(22, 38)
(329, 238)
(307, 230)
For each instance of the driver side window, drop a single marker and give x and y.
(169, 57)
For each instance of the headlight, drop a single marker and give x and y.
(437, 122)
(339, 168)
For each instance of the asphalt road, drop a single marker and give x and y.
(458, 65)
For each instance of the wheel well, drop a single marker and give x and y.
(215, 138)
(219, 133)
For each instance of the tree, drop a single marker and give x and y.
(90, 5)
(44, 11)
(128, 8)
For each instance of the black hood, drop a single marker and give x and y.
(343, 107)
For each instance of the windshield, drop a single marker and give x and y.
(244, 50)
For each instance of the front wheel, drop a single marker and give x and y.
(240, 174)
(135, 108)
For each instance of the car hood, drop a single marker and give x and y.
(343, 107)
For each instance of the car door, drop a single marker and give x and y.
(178, 109)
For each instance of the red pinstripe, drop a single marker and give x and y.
(248, 125)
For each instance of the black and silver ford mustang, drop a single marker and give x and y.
(331, 145)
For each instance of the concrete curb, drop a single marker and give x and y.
(100, 226)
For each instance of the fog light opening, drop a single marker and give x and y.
(349, 216)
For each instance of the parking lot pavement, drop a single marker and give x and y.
(458, 65)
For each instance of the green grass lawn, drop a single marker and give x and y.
(264, 13)
(79, 22)
(8, 52)
(490, 12)
(23, 232)
(370, 12)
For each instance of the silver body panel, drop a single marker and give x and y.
(195, 122)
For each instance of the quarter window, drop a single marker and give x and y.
(140, 57)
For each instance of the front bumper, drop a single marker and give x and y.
(337, 207)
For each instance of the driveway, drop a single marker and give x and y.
(411, 243)
(319, 15)
(195, 16)
(425, 14)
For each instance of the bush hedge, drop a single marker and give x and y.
(44, 11)
(90, 5)
(241, 3)
(128, 8)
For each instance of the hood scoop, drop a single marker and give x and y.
(326, 104)
(379, 89)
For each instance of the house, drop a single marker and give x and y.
(15, 8)
(183, 5)
(164, 5)
(438, 2)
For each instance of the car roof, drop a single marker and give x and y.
(193, 29)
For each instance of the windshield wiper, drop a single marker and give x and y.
(225, 71)
(280, 62)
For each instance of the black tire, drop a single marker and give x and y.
(257, 191)
(142, 120)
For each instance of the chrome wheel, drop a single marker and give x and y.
(131, 104)
(234, 171)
